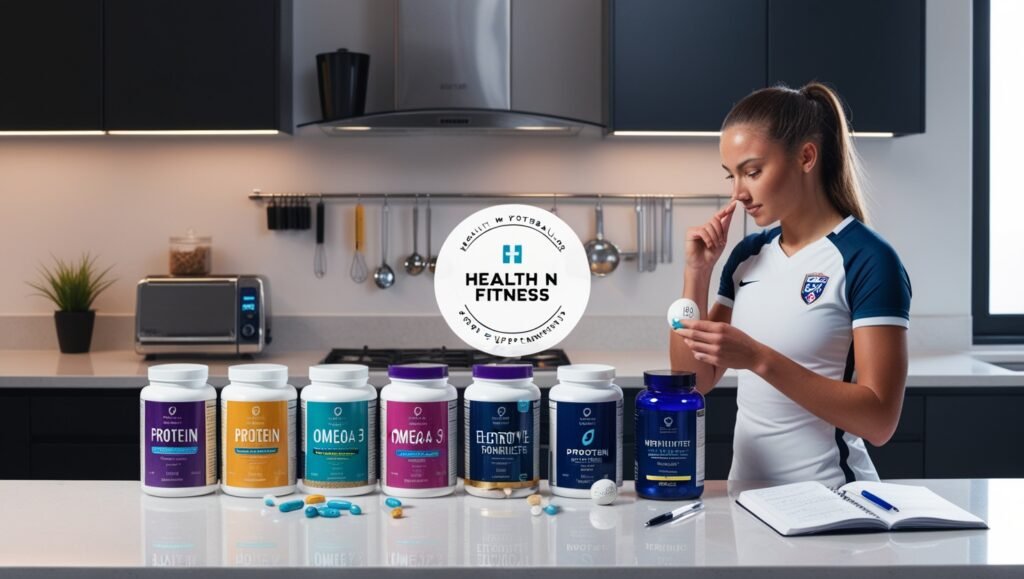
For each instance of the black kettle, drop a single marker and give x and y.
(342, 75)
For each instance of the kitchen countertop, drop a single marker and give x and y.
(109, 528)
(125, 369)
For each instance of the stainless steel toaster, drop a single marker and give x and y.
(224, 314)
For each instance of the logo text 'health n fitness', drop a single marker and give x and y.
(512, 280)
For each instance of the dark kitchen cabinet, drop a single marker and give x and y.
(51, 58)
(197, 64)
(871, 51)
(14, 435)
(975, 436)
(680, 65)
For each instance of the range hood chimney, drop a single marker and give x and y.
(453, 75)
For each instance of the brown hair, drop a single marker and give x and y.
(813, 113)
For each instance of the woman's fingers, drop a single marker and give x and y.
(716, 226)
(699, 336)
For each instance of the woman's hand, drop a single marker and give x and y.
(705, 243)
(723, 346)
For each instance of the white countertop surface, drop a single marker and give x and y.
(123, 368)
(105, 524)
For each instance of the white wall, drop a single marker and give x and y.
(121, 197)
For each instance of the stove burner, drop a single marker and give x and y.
(380, 359)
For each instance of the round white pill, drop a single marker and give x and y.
(535, 510)
(604, 491)
(681, 310)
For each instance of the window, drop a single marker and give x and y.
(998, 254)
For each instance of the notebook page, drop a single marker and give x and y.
(805, 505)
(914, 502)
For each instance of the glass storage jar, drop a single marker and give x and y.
(191, 254)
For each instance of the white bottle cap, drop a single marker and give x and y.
(260, 374)
(586, 373)
(338, 373)
(186, 373)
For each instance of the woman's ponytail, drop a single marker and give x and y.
(815, 113)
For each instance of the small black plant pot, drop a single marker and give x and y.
(74, 331)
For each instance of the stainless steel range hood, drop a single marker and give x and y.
(453, 75)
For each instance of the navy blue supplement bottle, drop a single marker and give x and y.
(669, 437)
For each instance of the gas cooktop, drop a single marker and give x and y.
(380, 359)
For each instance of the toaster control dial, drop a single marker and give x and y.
(248, 330)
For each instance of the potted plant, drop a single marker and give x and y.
(72, 287)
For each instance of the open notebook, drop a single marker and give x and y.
(806, 508)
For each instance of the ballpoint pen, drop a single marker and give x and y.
(878, 501)
(674, 514)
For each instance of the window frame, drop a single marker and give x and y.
(987, 328)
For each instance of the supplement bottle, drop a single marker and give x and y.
(585, 408)
(502, 425)
(338, 431)
(418, 411)
(178, 419)
(669, 437)
(258, 431)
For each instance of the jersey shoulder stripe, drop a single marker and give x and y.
(877, 285)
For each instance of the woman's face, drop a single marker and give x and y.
(765, 179)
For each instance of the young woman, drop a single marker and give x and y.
(814, 312)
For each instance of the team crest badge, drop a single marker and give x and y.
(814, 285)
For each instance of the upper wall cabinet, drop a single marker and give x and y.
(197, 65)
(51, 65)
(871, 51)
(679, 65)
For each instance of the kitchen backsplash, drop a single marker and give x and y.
(121, 197)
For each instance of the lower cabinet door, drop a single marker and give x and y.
(974, 436)
(898, 459)
(99, 461)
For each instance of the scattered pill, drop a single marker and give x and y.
(311, 513)
(355, 510)
(551, 509)
(534, 500)
(269, 500)
(535, 510)
(315, 499)
(604, 491)
(396, 513)
(329, 513)
(290, 506)
(339, 504)
(393, 502)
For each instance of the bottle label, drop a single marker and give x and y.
(418, 443)
(501, 443)
(257, 443)
(670, 449)
(586, 443)
(338, 445)
(179, 449)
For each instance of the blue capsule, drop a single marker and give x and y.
(339, 504)
(551, 509)
(329, 513)
(311, 513)
(291, 506)
(269, 500)
(393, 502)
(355, 510)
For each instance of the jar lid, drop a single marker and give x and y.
(586, 373)
(338, 372)
(179, 373)
(503, 371)
(670, 379)
(262, 374)
(420, 371)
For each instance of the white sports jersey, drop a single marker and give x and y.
(805, 307)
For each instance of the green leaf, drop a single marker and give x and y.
(72, 286)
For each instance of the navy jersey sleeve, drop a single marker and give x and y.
(749, 246)
(877, 285)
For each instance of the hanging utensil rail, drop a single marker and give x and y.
(258, 195)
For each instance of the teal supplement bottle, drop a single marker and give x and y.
(669, 437)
